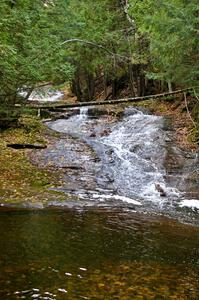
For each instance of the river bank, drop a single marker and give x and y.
(20, 180)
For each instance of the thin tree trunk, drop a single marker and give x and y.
(131, 79)
(90, 86)
(170, 86)
(105, 85)
(114, 88)
(102, 102)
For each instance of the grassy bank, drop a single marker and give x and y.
(20, 181)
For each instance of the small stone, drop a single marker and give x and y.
(63, 291)
(68, 274)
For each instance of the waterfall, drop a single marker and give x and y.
(131, 159)
(83, 113)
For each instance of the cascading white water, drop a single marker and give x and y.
(43, 94)
(83, 113)
(138, 143)
(137, 147)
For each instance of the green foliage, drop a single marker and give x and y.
(29, 45)
(165, 39)
(104, 23)
(172, 29)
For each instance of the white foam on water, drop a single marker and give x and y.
(116, 197)
(194, 204)
(151, 193)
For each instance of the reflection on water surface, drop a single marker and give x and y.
(96, 254)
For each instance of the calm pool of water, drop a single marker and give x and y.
(96, 254)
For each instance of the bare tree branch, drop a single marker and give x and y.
(75, 40)
(125, 4)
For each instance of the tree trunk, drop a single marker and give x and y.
(114, 88)
(77, 87)
(90, 86)
(103, 102)
(170, 86)
(131, 80)
(105, 85)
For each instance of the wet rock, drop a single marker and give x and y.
(72, 167)
(135, 148)
(105, 132)
(93, 134)
(109, 151)
(168, 140)
(160, 190)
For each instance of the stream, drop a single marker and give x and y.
(128, 227)
(132, 163)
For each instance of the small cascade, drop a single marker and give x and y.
(130, 165)
(43, 94)
(83, 113)
(138, 144)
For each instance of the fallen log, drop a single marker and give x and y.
(72, 167)
(26, 146)
(106, 102)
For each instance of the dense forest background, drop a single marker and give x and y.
(108, 45)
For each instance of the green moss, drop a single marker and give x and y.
(20, 180)
(194, 135)
(195, 112)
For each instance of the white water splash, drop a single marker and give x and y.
(138, 144)
(116, 197)
(83, 113)
(193, 204)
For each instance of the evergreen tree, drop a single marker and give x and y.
(173, 33)
(29, 45)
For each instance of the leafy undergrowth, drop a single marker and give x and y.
(20, 181)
